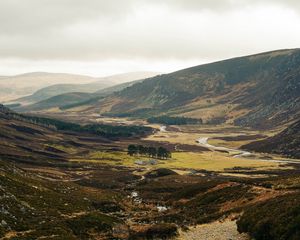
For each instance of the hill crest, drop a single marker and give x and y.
(261, 90)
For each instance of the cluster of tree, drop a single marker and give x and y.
(117, 130)
(174, 120)
(53, 123)
(109, 131)
(160, 152)
(142, 113)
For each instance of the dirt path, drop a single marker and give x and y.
(226, 230)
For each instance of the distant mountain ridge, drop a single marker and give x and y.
(261, 90)
(51, 99)
(12, 87)
(96, 85)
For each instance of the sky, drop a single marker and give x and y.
(101, 37)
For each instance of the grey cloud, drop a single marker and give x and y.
(101, 29)
(225, 5)
(19, 16)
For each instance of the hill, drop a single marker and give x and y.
(70, 99)
(36, 183)
(285, 143)
(261, 90)
(57, 101)
(24, 141)
(96, 85)
(12, 87)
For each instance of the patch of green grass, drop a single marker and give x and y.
(212, 161)
(111, 158)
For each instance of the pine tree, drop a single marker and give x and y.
(132, 149)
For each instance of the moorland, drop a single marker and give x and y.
(232, 169)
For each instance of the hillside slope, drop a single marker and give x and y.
(24, 141)
(38, 140)
(261, 90)
(36, 184)
(285, 143)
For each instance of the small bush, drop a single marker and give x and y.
(158, 231)
(93, 222)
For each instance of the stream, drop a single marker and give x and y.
(237, 152)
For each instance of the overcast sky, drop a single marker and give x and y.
(103, 37)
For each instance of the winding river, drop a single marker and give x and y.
(237, 153)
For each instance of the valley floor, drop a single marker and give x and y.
(220, 148)
(65, 185)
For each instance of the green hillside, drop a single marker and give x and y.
(261, 90)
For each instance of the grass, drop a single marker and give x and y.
(189, 134)
(213, 162)
(229, 144)
(111, 158)
(175, 137)
(210, 160)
